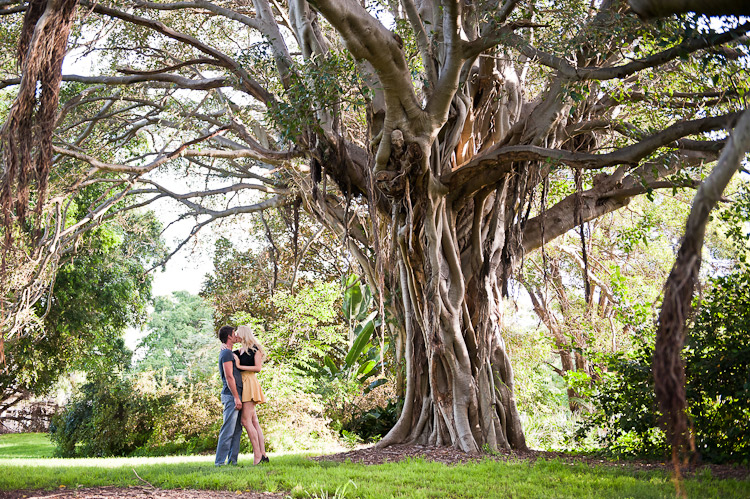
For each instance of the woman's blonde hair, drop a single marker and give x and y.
(249, 340)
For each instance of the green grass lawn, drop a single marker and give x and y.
(25, 445)
(25, 465)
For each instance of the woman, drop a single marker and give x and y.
(249, 359)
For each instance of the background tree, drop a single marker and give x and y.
(628, 257)
(180, 340)
(425, 146)
(280, 249)
(98, 293)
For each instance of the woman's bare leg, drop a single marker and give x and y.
(248, 416)
(261, 440)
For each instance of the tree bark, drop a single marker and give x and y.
(661, 8)
(459, 378)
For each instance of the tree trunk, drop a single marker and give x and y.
(459, 379)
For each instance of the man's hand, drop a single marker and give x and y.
(237, 403)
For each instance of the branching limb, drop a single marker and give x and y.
(248, 84)
(608, 194)
(487, 168)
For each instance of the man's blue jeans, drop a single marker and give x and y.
(230, 433)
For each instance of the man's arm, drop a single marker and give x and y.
(229, 375)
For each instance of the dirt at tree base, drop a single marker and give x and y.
(371, 456)
(450, 456)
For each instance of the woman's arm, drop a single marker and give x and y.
(247, 368)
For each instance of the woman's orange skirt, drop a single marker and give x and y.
(251, 390)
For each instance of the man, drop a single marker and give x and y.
(231, 428)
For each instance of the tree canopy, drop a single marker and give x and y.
(439, 141)
(180, 337)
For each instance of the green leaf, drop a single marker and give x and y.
(352, 297)
(366, 368)
(360, 342)
(375, 384)
(328, 361)
(365, 303)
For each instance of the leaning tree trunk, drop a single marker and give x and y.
(669, 371)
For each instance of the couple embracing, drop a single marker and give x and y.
(240, 393)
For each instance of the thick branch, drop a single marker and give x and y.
(171, 79)
(366, 38)
(489, 167)
(608, 194)
(686, 47)
(661, 8)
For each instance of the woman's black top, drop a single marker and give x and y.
(247, 358)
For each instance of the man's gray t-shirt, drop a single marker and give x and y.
(225, 355)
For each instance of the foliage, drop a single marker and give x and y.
(538, 388)
(718, 393)
(540, 391)
(718, 371)
(345, 377)
(627, 415)
(188, 423)
(180, 339)
(363, 359)
(735, 216)
(292, 417)
(98, 293)
(138, 415)
(323, 82)
(372, 424)
(246, 280)
(300, 328)
(107, 418)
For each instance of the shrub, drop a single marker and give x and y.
(190, 424)
(292, 418)
(372, 424)
(717, 386)
(120, 416)
(150, 416)
(108, 418)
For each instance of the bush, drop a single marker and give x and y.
(717, 386)
(114, 416)
(145, 416)
(108, 418)
(626, 413)
(372, 424)
(718, 371)
(189, 424)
